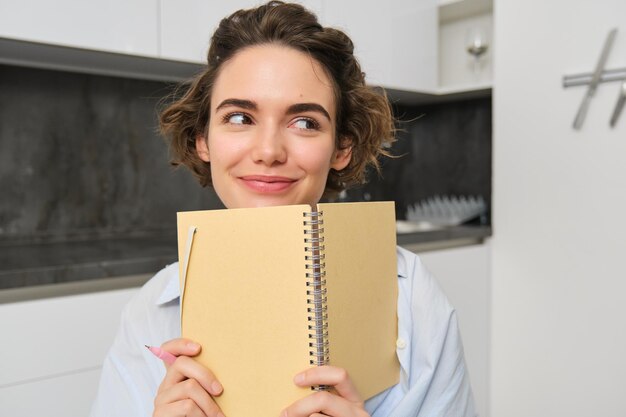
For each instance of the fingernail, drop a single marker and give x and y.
(299, 379)
(216, 388)
(192, 345)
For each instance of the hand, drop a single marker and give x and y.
(342, 400)
(187, 388)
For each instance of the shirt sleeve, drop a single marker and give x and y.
(434, 381)
(130, 373)
(117, 393)
(438, 381)
(448, 393)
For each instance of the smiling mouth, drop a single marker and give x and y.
(267, 183)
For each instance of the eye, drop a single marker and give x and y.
(237, 119)
(305, 123)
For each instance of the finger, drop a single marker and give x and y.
(178, 347)
(334, 376)
(181, 346)
(187, 368)
(189, 389)
(183, 408)
(322, 403)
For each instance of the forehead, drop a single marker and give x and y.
(274, 75)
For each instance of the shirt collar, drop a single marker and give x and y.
(171, 290)
(402, 264)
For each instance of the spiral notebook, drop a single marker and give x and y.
(268, 292)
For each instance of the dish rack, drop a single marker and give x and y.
(447, 210)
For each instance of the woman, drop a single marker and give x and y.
(282, 116)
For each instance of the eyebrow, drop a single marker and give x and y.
(236, 102)
(293, 109)
(307, 107)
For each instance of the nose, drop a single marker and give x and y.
(269, 146)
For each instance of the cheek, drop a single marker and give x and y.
(315, 159)
(223, 150)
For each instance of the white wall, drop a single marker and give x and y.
(558, 269)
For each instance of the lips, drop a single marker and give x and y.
(267, 183)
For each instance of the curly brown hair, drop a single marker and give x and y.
(364, 118)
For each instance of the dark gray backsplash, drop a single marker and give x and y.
(442, 149)
(80, 157)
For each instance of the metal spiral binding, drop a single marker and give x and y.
(316, 291)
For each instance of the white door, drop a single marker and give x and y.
(559, 206)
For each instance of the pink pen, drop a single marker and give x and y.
(165, 356)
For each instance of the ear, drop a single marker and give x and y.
(341, 158)
(202, 148)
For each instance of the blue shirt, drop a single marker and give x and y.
(433, 381)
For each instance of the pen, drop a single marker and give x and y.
(165, 356)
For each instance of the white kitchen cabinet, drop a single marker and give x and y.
(53, 351)
(462, 22)
(128, 27)
(187, 25)
(396, 42)
(458, 70)
(464, 273)
(66, 395)
(418, 47)
(402, 45)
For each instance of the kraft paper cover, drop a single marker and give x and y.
(362, 283)
(245, 299)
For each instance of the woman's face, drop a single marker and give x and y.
(271, 137)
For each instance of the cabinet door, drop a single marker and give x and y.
(187, 25)
(464, 274)
(56, 347)
(396, 42)
(128, 27)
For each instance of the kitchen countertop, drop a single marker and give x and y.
(28, 265)
(50, 263)
(443, 238)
